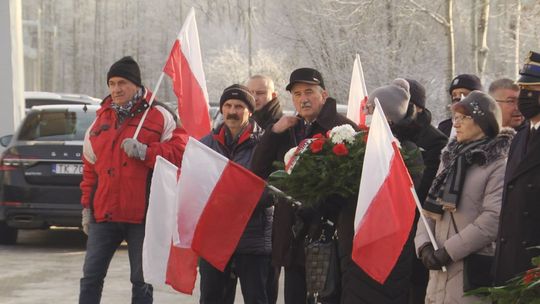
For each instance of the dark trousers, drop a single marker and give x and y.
(272, 285)
(219, 287)
(295, 285)
(103, 240)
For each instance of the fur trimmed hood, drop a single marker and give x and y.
(492, 150)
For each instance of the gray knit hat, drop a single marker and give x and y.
(394, 99)
(484, 111)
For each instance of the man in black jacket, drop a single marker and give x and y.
(519, 224)
(430, 141)
(267, 111)
(460, 86)
(267, 106)
(316, 114)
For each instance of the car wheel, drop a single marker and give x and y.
(8, 235)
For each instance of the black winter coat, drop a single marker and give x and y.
(431, 141)
(256, 238)
(519, 225)
(288, 250)
(445, 126)
(269, 114)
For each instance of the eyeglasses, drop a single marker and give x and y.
(510, 101)
(460, 118)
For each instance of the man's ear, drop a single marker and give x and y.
(324, 95)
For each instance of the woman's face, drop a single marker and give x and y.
(466, 129)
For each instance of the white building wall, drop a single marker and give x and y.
(11, 66)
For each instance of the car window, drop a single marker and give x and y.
(61, 124)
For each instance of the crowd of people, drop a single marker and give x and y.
(479, 187)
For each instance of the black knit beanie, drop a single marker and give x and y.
(465, 81)
(126, 68)
(240, 92)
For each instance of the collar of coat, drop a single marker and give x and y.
(252, 131)
(483, 154)
(271, 111)
(327, 117)
(137, 108)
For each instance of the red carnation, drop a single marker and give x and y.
(318, 135)
(531, 275)
(316, 146)
(340, 150)
(365, 138)
(363, 127)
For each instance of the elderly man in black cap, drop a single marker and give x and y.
(316, 114)
(519, 225)
(116, 175)
(236, 139)
(460, 87)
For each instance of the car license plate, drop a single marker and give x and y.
(67, 169)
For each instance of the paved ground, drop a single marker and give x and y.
(45, 267)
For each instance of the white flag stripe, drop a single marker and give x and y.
(200, 163)
(160, 222)
(376, 165)
(190, 46)
(357, 91)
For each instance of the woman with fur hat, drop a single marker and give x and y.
(464, 201)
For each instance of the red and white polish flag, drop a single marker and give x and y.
(184, 67)
(386, 206)
(164, 263)
(216, 198)
(358, 96)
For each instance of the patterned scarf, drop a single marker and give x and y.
(445, 191)
(123, 111)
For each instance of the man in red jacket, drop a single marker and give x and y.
(117, 174)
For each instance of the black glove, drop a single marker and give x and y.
(434, 259)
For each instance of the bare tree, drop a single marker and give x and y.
(483, 32)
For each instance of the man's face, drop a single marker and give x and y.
(121, 90)
(456, 94)
(235, 113)
(259, 88)
(507, 99)
(532, 88)
(308, 100)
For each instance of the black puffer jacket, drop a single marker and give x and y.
(256, 238)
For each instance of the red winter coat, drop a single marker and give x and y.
(114, 185)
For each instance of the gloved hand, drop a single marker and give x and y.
(86, 217)
(134, 148)
(434, 259)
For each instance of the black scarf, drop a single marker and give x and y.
(445, 191)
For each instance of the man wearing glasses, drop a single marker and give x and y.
(506, 93)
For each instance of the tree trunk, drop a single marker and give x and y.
(483, 32)
(474, 34)
(515, 30)
(451, 42)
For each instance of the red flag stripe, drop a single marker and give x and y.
(394, 206)
(226, 214)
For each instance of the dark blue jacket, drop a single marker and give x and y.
(256, 238)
